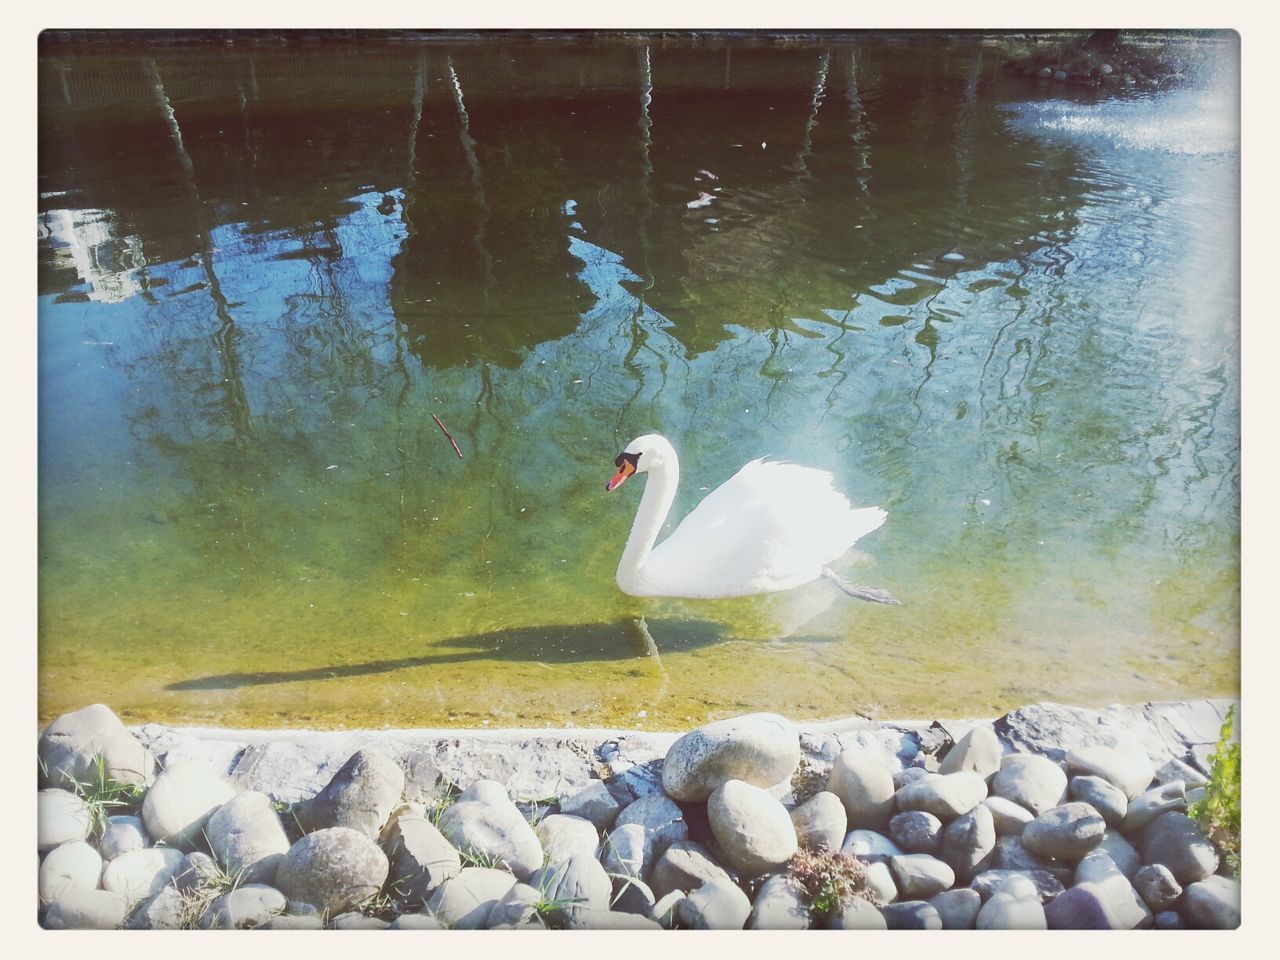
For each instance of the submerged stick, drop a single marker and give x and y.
(448, 435)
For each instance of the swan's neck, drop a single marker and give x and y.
(659, 492)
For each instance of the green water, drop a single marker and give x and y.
(1005, 311)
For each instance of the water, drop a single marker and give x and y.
(1007, 312)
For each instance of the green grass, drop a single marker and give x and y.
(1218, 811)
(104, 796)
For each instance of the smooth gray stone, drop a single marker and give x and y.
(334, 869)
(919, 876)
(1004, 911)
(1045, 883)
(946, 796)
(1031, 781)
(978, 751)
(778, 906)
(1108, 799)
(880, 881)
(180, 803)
(563, 835)
(361, 795)
(715, 905)
(1125, 764)
(1083, 907)
(820, 822)
(911, 915)
(415, 921)
(289, 921)
(864, 783)
(632, 895)
(1165, 798)
(579, 882)
(664, 912)
(1009, 818)
(909, 775)
(1175, 840)
(1010, 853)
(61, 816)
(516, 908)
(122, 834)
(70, 747)
(74, 864)
(77, 909)
(916, 831)
(662, 820)
(593, 802)
(484, 822)
(870, 846)
(1157, 886)
(628, 850)
(857, 914)
(1211, 904)
(1122, 852)
(167, 910)
(141, 874)
(593, 918)
(958, 908)
(752, 829)
(685, 865)
(464, 902)
(761, 749)
(968, 841)
(248, 906)
(420, 858)
(1169, 920)
(1177, 769)
(1066, 832)
(1124, 905)
(357, 921)
(247, 837)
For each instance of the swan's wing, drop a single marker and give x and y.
(770, 526)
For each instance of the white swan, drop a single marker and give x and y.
(771, 526)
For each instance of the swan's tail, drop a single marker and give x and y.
(870, 594)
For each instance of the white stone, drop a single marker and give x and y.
(248, 906)
(1126, 765)
(77, 909)
(61, 816)
(716, 905)
(1031, 781)
(73, 864)
(754, 831)
(247, 837)
(562, 836)
(180, 802)
(70, 748)
(141, 874)
(778, 906)
(864, 784)
(464, 902)
(122, 834)
(761, 749)
(484, 821)
(593, 802)
(978, 751)
(1006, 912)
(820, 822)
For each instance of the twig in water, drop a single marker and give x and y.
(448, 435)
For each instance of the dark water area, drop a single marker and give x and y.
(1006, 311)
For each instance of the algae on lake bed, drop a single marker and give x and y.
(1000, 311)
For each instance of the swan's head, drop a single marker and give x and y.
(640, 456)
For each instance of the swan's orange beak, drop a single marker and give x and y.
(624, 471)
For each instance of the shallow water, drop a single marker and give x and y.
(1005, 311)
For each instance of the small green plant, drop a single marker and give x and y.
(471, 857)
(106, 796)
(1218, 811)
(548, 910)
(827, 880)
(195, 900)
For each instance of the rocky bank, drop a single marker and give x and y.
(1050, 817)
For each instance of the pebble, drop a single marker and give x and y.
(627, 851)
(978, 751)
(685, 865)
(1083, 907)
(715, 905)
(967, 841)
(753, 830)
(1212, 904)
(1166, 798)
(762, 749)
(360, 796)
(247, 838)
(122, 834)
(1066, 832)
(61, 816)
(661, 819)
(1011, 854)
(1047, 885)
(420, 858)
(911, 915)
(864, 784)
(1175, 840)
(71, 865)
(919, 876)
(916, 831)
(1108, 799)
(464, 902)
(1122, 853)
(1125, 907)
(563, 835)
(778, 906)
(1125, 764)
(70, 747)
(1157, 886)
(1169, 920)
(820, 822)
(880, 881)
(857, 914)
(181, 801)
(1009, 818)
(334, 869)
(958, 908)
(406, 921)
(244, 907)
(870, 846)
(1033, 782)
(357, 921)
(577, 882)
(141, 874)
(485, 823)
(516, 908)
(593, 918)
(78, 909)
(1005, 911)
(946, 796)
(1177, 769)
(593, 802)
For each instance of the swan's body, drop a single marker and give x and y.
(771, 526)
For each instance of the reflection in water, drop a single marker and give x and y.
(1018, 338)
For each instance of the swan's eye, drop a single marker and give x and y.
(624, 457)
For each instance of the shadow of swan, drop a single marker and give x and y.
(620, 640)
